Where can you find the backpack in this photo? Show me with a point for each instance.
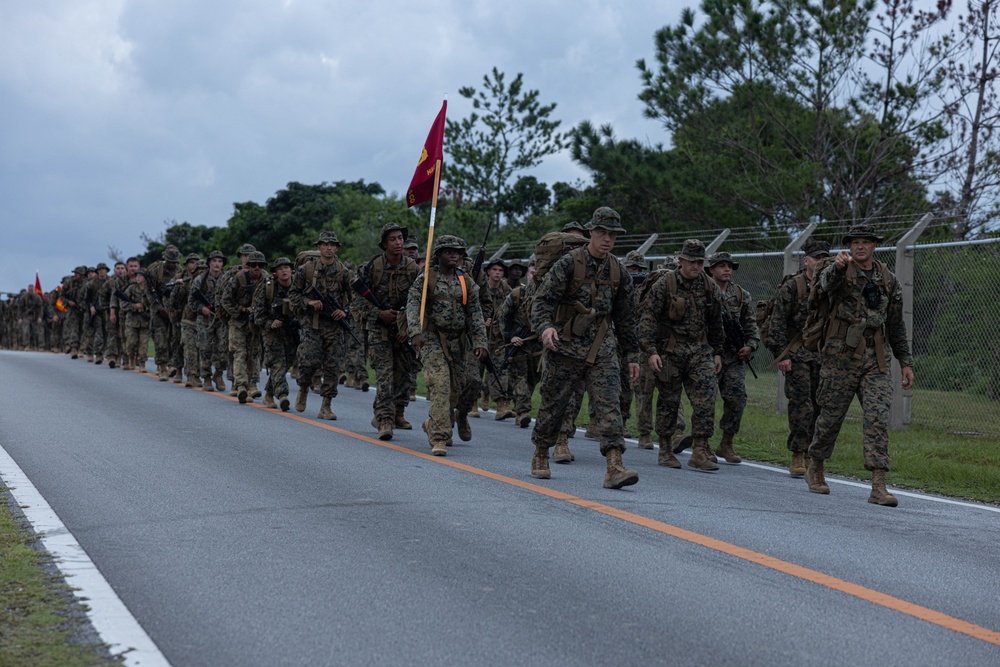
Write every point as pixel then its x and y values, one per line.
pixel 766 308
pixel 822 307
pixel 551 247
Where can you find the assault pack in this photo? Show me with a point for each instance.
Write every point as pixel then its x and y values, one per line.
pixel 766 308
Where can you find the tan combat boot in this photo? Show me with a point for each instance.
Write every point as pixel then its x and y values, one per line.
pixel 617 476
pixel 178 377
pixel 700 456
pixel 473 412
pixel 681 442
pixel 283 403
pixel 206 383
pixel 161 373
pixel 561 454
pixel 385 429
pixel 220 384
pixel 190 382
pixel 268 401
pixel 399 421
pixel 798 467
pixel 540 463
pixel 437 448
pixel 503 410
pixel 666 458
pixel 524 420
pixel 324 410
pixel 645 442
pixel 880 495
pixel 413 396
pixel 300 400
pixel 814 476
pixel 243 395
pixel 726 451
pixel 464 428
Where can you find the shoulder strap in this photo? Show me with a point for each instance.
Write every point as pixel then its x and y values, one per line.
pixel 800 287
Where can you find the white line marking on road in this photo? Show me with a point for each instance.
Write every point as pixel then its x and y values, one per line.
pixel 108 614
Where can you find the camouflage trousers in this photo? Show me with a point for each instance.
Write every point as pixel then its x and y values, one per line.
pixel 573 409
pixel 92 335
pixel 244 342
pixel 32 333
pixel 321 350
pixel 189 349
pixel 733 390
pixel 644 389
pixel 392 362
pixel 448 383
pixel 562 377
pixel 841 378
pixel 213 345
pixel 71 329
pixel 177 352
pixel 801 384
pixel 523 376
pixel 691 368
pixel 113 344
pixel 468 395
pixel 354 357
pixel 160 331
pixel 137 343
pixel 279 356
pixel 625 389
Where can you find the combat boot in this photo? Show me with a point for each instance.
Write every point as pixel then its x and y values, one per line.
pixel 561 454
pixel 161 373
pixel 74 354
pixel 814 476
pixel 524 420
pixel 798 467
pixel 234 391
pixel 190 381
pixel 347 382
pixel 206 383
pixel 300 400
pixel 666 458
pixel 242 395
pixel 255 392
pixel 268 401
pixel 540 463
pixel 464 428
pixel 112 363
pixel 473 412
pixel 503 410
pixel 413 396
pixel 363 384
pixel 437 448
pixel 681 442
pixel 324 410
pixel 220 384
pixel 385 429
pixel 645 442
pixel 726 451
pixel 98 360
pixel 178 378
pixel 880 495
pixel 617 476
pixel 283 402
pixel 399 421
pixel 484 404
pixel 700 456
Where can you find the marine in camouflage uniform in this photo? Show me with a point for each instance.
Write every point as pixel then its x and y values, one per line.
pixel 354 356
pixel 244 335
pixel 799 365
pixel 186 359
pixel 30 311
pixel 681 335
pixel 742 340
pixel 452 326
pixel 72 296
pixel 274 314
pixel 99 299
pixel 389 276
pixel 243 255
pixel 213 334
pixel 524 349
pixel 492 294
pixel 322 337
pixel 158 274
pixel 577 321
pixel 137 306
pixel 412 250
pixel 865 328
pixel 116 325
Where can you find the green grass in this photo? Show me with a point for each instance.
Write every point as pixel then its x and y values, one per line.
pixel 37 626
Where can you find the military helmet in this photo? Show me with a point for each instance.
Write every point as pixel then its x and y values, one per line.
pixel 217 254
pixel 861 231
pixel 281 261
pixel 720 258
pixel 448 241
pixel 171 254
pixel 257 257
pixel 693 250
pixel 635 258
pixel 391 227
pixel 246 249
pixel 606 218
pixel 328 236
pixel 816 248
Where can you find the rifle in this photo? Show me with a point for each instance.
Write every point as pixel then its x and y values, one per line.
pixel 521 332
pixel 162 310
pixel 735 338
pixel 330 305
pixel 360 285
pixel 481 255
pixel 492 368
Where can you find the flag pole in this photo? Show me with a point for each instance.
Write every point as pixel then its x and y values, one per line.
pixel 430 241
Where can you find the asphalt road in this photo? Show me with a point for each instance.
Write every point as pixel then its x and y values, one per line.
pixel 238 535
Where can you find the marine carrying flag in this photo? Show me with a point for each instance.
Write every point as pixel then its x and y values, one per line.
pixel 38 285
pixel 423 183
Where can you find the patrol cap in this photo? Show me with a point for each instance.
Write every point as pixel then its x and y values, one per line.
pixel 391 227
pixel 257 259
pixel 721 258
pixel 448 241
pixel 328 236
pixel 192 257
pixel 281 261
pixel 693 250
pixel 635 258
pixel 861 231
pixel 815 248
pixel 171 254
pixel 217 254
pixel 102 265
pixel 606 218
pixel 246 249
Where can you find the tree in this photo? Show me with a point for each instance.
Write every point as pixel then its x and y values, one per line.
pixel 508 131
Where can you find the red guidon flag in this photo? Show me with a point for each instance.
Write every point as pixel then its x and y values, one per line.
pixel 422 185
pixel 38 285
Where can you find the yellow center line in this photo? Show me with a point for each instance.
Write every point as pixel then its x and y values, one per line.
pixel 791 569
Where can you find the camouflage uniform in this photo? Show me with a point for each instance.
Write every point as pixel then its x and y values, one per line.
pixel 788 318
pixel 158 274
pixel 391 359
pixel 244 336
pixel 860 338
pixel 186 348
pixel 30 309
pixel 137 306
pixel 686 345
pixel 321 349
pixel 354 355
pixel 114 347
pixel 453 327
pixel 491 301
pixel 213 334
pixel 72 295
pixel 522 369
pixel 272 302
pixel 586 320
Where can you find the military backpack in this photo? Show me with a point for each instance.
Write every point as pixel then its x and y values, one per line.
pixel 766 308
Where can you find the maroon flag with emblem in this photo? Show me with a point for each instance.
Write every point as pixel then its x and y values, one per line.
pixel 424 181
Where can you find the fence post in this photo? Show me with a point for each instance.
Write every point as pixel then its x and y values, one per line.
pixel 716 242
pixel 900 411
pixel 791 265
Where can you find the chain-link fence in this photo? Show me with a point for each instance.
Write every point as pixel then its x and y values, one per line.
pixel 955 317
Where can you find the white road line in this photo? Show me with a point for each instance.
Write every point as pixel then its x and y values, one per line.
pixel 108 614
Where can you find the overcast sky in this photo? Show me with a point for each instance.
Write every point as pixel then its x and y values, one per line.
pixel 119 115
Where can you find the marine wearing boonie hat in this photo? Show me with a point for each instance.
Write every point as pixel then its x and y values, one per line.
pixel 861 231
pixel 281 261
pixel 606 218
pixel 102 265
pixel 573 226
pixel 635 258
pixel 496 262
pixel 693 250
pixel 217 254
pixel 816 248
pixel 257 259
pixel 392 227
pixel 721 258
pixel 246 249
pixel 328 236
pixel 193 257
pixel 171 254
